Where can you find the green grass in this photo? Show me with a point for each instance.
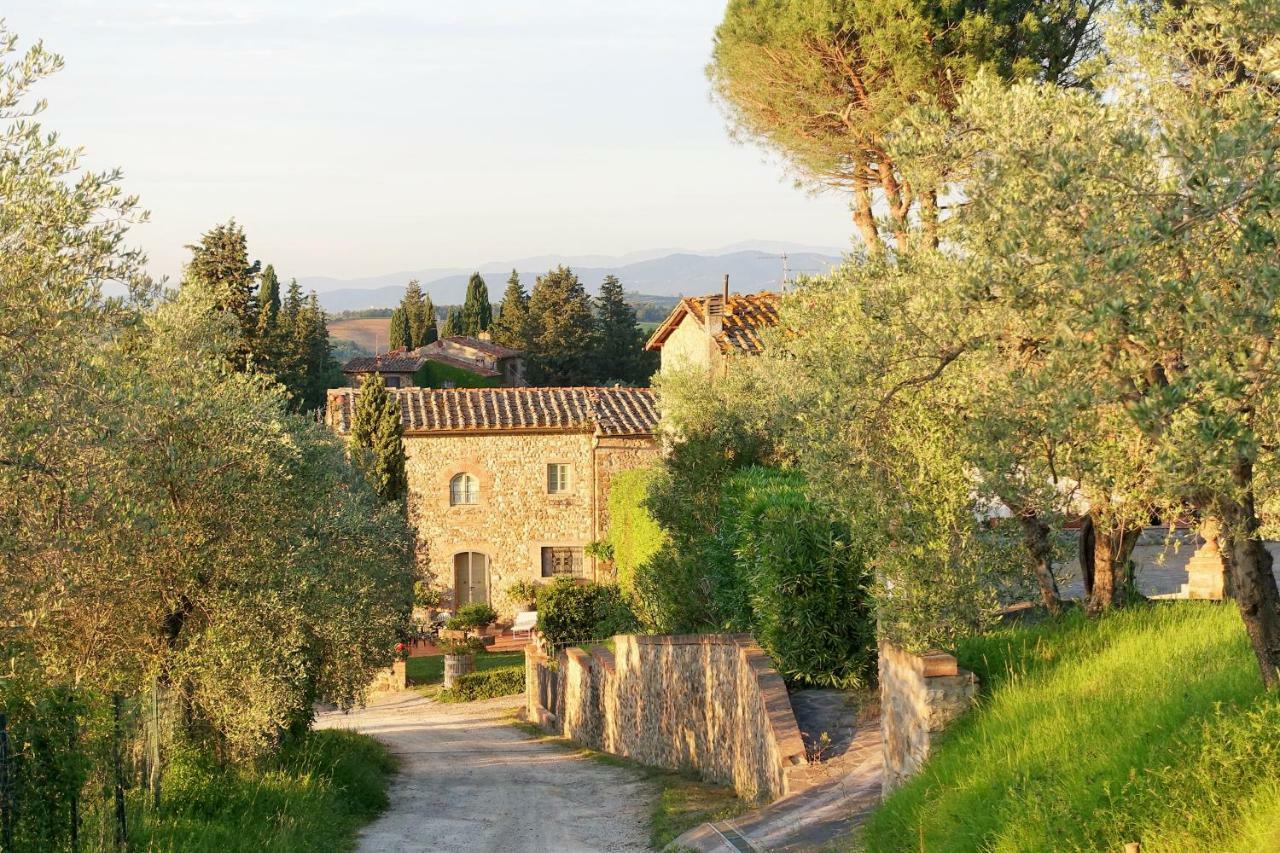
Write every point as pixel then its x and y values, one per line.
pixel 1149 725
pixel 313 797
pixel 683 801
pixel 429 671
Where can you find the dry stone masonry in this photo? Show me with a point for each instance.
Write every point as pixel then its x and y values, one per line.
pixel 709 703
pixel 919 696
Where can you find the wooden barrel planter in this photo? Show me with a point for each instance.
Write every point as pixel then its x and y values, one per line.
pixel 457 665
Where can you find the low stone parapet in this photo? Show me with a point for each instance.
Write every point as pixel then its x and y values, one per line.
pixel 390 679
pixel 920 694
pixel 711 703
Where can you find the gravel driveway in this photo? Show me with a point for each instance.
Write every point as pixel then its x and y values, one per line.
pixel 468 781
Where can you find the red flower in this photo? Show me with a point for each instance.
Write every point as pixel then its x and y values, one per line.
pixel 399 647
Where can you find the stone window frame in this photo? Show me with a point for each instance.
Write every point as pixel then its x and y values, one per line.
pixel 473 466
pixel 535 556
pixel 570 479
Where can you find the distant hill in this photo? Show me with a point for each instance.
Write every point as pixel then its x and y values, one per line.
pixel 670 274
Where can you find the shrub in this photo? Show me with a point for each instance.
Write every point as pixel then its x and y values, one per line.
pixel 634 535
pixel 425 595
pixel 805 582
pixel 469 646
pixel 487 684
pixel 523 592
pixel 475 615
pixel 572 612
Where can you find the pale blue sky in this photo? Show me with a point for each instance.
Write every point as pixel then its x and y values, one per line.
pixel 357 138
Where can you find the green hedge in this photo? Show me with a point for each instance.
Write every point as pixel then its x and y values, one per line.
pixel 633 531
pixel 433 374
pixel 487 684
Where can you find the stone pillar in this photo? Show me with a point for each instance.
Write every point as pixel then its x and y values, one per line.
pixel 919 696
pixel 1205 570
pixel 392 679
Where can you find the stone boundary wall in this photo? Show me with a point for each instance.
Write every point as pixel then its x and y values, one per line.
pixel 919 696
pixel 390 679
pixel 711 703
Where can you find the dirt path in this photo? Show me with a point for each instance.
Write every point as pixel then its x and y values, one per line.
pixel 470 782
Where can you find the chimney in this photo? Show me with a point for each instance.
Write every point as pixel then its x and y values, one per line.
pixel 726 291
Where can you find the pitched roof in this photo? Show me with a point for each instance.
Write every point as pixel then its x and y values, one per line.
pixel 424 411
pixel 487 347
pixel 396 361
pixel 745 315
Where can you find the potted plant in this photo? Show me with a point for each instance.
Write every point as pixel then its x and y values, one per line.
pixel 475 619
pixel 426 600
pixel 459 658
pixel 523 595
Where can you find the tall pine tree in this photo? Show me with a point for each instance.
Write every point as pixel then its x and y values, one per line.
pixel 561 330
pixel 220 265
pixel 477 313
pixel 376 426
pixel 618 354
pixel 400 331
pixel 511 327
pixel 320 371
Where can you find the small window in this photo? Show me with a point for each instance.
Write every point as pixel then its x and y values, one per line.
pixel 393 381
pixel 464 490
pixel 557 479
pixel 561 561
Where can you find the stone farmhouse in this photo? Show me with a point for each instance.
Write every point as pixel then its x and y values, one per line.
pixel 702 331
pixel 511 484
pixel 458 361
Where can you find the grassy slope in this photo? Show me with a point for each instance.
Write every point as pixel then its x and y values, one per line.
pixel 312 798
pixel 1150 725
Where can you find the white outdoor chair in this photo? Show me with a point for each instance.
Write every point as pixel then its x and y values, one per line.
pixel 525 623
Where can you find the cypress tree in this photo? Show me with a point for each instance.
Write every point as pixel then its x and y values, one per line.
pixel 511 327
pixel 429 331
pixel 453 325
pixel 266 343
pixel 400 333
pixel 376 426
pixel 618 354
pixel 320 372
pixel 415 309
pixel 561 330
pixel 477 313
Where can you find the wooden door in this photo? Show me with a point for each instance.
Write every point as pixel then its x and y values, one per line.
pixel 470 578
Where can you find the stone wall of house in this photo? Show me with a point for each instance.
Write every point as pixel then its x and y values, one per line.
pixel 689 346
pixel 710 703
pixel 612 456
pixel 514 517
pixel 919 696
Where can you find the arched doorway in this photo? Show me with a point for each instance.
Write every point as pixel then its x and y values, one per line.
pixel 470 578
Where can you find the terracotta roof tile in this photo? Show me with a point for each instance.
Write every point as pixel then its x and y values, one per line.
pixel 609 411
pixel 745 316
pixel 396 361
pixel 488 347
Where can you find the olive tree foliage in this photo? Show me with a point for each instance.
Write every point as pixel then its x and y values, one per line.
pixel 1134 238
pixel 166 520
pixel 823 83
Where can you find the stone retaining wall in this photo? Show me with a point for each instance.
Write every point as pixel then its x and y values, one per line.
pixel 711 703
pixel 390 679
pixel 919 696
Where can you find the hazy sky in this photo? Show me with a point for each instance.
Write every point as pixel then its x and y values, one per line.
pixel 357 138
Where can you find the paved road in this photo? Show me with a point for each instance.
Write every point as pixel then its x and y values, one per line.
pixel 470 782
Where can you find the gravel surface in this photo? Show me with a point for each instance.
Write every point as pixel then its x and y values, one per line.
pixel 469 781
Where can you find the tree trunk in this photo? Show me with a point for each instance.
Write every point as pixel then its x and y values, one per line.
pixel 1035 535
pixel 863 216
pixel 929 219
pixel 899 207
pixel 1252 583
pixel 1112 572
pixel 1085 551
